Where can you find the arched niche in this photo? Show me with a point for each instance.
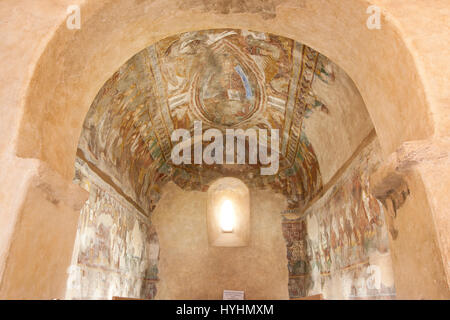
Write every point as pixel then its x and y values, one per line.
pixel 228 213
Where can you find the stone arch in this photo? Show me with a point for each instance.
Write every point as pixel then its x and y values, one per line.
pixel 60 94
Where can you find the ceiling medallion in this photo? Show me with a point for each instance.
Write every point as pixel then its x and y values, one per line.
pixel 229 90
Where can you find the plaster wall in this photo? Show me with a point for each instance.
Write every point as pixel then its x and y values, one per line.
pixel 337 132
pixel 419 274
pixel 191 269
pixel 43 239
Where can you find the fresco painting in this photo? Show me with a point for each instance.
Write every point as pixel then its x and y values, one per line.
pixel 116 251
pixel 340 244
pixel 225 78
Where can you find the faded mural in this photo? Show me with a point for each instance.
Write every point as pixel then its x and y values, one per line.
pixel 340 247
pixel 225 78
pixel 116 250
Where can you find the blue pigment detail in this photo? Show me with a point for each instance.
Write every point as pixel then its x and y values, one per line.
pixel 248 88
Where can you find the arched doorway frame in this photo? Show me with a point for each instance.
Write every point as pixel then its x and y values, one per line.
pixel 75 64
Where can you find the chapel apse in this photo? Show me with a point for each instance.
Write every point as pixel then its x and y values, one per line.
pixel 235 79
pixel 225 78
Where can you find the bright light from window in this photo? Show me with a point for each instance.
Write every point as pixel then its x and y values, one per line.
pixel 227 216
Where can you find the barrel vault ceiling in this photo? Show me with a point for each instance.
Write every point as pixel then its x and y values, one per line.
pixel 225 78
